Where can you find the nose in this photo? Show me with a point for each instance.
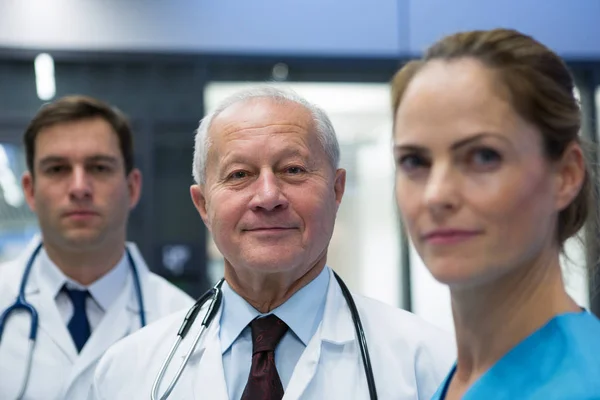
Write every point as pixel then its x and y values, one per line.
pixel 267 195
pixel 80 184
pixel 442 193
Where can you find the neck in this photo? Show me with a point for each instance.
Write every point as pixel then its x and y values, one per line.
pixel 492 319
pixel 267 291
pixel 85 266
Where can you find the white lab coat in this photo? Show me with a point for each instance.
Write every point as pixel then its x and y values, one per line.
pixel 58 371
pixel 410 358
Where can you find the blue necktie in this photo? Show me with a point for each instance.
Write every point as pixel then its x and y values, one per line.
pixel 79 326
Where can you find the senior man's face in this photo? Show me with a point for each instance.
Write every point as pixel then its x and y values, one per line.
pixel 271 195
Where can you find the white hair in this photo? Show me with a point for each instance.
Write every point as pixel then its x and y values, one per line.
pixel 324 128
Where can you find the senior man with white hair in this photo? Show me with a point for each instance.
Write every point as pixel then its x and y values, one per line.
pixel 268 188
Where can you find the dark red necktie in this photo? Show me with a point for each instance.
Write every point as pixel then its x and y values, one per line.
pixel 263 382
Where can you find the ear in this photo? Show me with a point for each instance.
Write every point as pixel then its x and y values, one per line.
pixel 570 175
pixel 199 200
pixel 134 184
pixel 27 182
pixel 339 185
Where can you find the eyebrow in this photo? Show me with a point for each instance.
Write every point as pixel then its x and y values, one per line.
pixel 103 158
pixel 49 160
pixel 456 145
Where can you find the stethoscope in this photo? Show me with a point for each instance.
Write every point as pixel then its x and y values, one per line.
pixel 22 304
pixel 215 295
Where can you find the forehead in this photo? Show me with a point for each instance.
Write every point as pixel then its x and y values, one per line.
pixel 458 96
pixel 261 116
pixel 79 138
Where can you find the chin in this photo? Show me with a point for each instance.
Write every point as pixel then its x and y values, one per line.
pixel 464 278
pixel 268 266
pixel 82 240
pixel 269 263
pixel 268 258
pixel 453 273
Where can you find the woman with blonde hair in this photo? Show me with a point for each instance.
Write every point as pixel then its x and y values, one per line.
pixel 491 180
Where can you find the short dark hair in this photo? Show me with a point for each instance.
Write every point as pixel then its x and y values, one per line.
pixel 76 108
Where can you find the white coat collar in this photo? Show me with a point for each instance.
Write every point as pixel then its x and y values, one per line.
pixel 337 325
pixel 336 328
pixel 36 294
pixel 33 286
pixel 103 291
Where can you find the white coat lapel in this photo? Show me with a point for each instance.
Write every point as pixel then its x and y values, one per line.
pixel 336 328
pixel 118 322
pixel 50 320
pixel 209 379
pixel 306 367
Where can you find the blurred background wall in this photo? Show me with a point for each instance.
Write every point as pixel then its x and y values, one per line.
pixel 165 63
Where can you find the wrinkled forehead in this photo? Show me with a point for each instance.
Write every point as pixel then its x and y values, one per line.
pixel 260 116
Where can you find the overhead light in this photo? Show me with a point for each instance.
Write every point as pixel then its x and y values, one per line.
pixel 280 72
pixel 44 76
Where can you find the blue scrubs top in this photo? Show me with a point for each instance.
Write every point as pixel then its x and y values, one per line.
pixel 561 360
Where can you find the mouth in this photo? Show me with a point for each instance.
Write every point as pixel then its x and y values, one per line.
pixel 269 228
pixel 80 214
pixel 449 236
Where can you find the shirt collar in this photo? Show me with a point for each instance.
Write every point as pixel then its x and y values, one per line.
pixel 302 312
pixel 104 291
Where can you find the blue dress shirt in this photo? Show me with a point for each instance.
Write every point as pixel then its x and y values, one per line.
pixel 302 313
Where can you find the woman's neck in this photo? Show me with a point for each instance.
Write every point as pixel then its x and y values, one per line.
pixel 493 318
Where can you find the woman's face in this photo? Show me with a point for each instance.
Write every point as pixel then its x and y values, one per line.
pixel 473 185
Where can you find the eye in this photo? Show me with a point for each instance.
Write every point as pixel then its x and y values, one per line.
pixel 294 170
pixel 100 168
pixel 56 169
pixel 236 175
pixel 484 157
pixel 411 162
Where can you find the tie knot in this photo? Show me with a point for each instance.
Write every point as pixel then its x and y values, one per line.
pixel 266 333
pixel 77 296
